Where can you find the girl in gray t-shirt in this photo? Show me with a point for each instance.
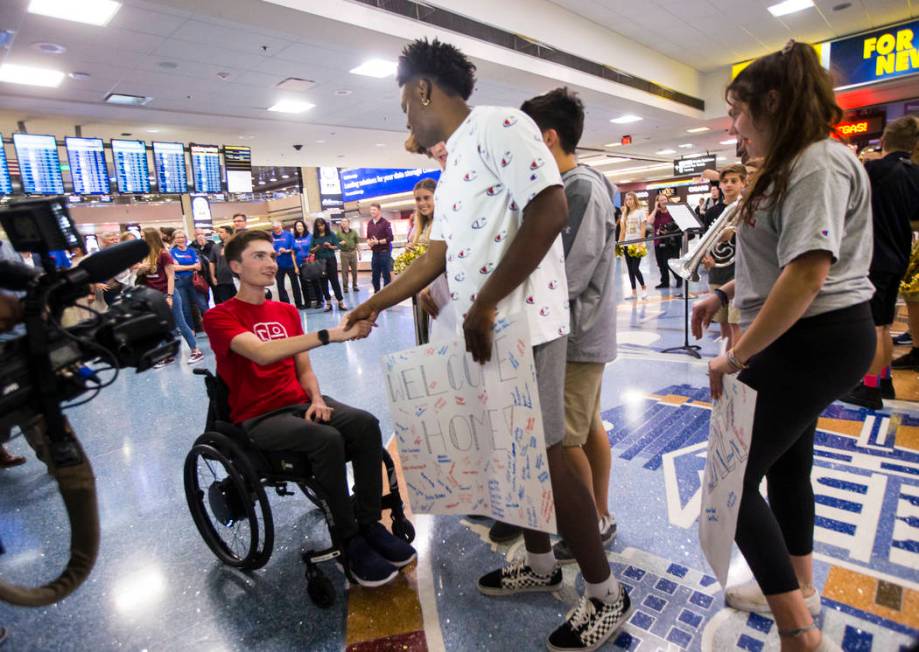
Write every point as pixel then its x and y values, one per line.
pixel 803 251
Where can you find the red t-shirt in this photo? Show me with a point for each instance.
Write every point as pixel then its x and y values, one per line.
pixel 255 389
pixel 158 280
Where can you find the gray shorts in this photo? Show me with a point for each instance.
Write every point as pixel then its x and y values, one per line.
pixel 550 359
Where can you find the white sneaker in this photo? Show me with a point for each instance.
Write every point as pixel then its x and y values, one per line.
pixel 749 597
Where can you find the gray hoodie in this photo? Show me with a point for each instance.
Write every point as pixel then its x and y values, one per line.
pixel 589 241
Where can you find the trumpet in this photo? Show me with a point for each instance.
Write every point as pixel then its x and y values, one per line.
pixel 687 265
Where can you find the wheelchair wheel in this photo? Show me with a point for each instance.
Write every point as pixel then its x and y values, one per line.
pixel 224 507
pixel 403 528
pixel 320 589
pixel 244 465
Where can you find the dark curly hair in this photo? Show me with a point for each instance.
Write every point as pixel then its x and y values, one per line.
pixel 440 62
pixel 561 110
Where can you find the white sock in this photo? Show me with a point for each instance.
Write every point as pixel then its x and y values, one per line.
pixel 541 562
pixel 607 590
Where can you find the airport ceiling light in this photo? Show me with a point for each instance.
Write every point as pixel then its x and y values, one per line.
pixel 790 7
pixel 697 130
pixel 91 12
pixel 685 146
pixel 130 100
pixel 378 68
pixel 729 141
pixel 291 106
pixel 13 74
pixel 626 119
pixel 661 152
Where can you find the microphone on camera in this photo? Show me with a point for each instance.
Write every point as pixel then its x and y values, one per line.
pixel 105 264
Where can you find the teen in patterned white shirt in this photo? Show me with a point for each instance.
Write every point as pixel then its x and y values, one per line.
pixel 499 209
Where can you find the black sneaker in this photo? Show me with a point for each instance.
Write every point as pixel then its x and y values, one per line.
pixel 590 624
pixel 907 361
pixel 504 532
pixel 367 567
pixel 517 577
pixel 887 390
pixel 903 338
pixel 661 286
pixel 391 548
pixel 869 397
pixel 563 554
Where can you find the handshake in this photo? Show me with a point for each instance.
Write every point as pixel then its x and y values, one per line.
pixel 347 330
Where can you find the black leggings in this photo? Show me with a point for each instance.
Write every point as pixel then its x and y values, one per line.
pixel 796 378
pixel 632 263
pixel 664 253
pixel 331 276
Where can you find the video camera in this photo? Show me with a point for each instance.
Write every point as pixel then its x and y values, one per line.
pixel 50 364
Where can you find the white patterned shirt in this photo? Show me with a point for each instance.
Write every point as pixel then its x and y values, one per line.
pixel 496 164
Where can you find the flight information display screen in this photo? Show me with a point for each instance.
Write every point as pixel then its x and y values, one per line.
pixel 6 182
pixel 239 168
pixel 87 166
pixel 131 171
pixel 169 161
pixel 39 164
pixel 205 167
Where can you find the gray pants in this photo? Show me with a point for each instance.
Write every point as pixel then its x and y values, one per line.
pixel 348 261
pixel 352 434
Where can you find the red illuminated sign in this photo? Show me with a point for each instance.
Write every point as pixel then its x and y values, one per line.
pixel 861 127
pixel 626 140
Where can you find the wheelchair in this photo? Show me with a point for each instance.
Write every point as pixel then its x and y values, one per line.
pixel 225 480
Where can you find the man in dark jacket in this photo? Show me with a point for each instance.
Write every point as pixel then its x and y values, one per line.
pixel 894 204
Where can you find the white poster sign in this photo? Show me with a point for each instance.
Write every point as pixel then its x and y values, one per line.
pixel 729 434
pixel 470 436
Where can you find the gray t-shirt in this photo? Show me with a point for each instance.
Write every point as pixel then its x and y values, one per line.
pixel 827 208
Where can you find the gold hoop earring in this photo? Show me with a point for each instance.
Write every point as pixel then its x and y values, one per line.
pixel 426 102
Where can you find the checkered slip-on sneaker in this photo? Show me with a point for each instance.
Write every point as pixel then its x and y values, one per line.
pixel 517 577
pixel 590 624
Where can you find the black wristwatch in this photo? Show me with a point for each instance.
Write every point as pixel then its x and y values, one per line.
pixel 721 294
pixel 323 336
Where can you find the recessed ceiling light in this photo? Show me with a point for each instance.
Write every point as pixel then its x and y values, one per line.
pixel 131 100
pixel 377 68
pixel 78 75
pixel 273 179
pixel 153 131
pixel 381 145
pixel 722 158
pixel 697 130
pixel 92 12
pixel 790 7
pixel 46 47
pixel 14 74
pixel 729 141
pixel 343 92
pixel 666 151
pixel 320 142
pixel 291 106
pixel 285 176
pixel 626 119
pixel 685 146
pixel 613 145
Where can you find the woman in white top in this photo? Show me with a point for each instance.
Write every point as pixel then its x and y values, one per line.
pixel 632 226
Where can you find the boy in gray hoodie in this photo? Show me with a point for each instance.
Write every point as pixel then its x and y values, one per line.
pixel 589 245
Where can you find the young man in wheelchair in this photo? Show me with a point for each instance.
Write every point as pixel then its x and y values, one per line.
pixel 274 395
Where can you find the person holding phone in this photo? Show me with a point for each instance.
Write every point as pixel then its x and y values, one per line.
pixel 325 243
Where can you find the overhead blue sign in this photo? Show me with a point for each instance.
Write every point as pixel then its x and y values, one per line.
pixel 366 183
pixel 875 56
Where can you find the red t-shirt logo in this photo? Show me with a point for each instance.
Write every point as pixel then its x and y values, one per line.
pixel 270 330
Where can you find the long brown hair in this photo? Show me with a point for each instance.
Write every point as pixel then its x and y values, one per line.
pixel 155 241
pixel 421 222
pixel 805 112
pixel 626 211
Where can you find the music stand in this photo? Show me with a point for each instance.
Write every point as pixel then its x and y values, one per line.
pixel 690 225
